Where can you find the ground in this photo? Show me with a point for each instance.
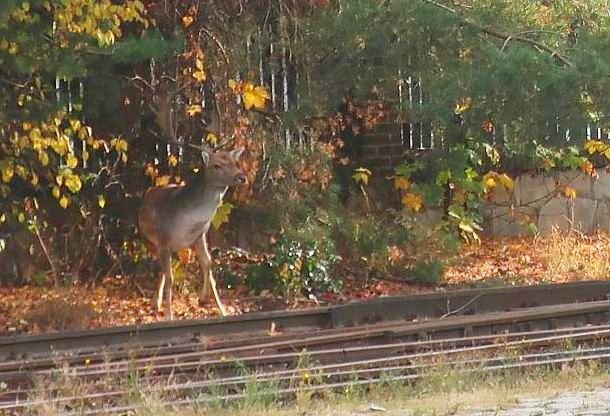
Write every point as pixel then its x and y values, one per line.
pixel 120 300
pixel 573 390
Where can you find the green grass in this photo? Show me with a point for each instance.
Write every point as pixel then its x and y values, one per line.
pixel 441 390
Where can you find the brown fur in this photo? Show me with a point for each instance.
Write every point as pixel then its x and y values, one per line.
pixel 174 217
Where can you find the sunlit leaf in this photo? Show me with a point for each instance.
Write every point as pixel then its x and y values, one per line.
pixel 463 105
pixel 255 97
pixel 569 192
pixel 489 182
pixel 73 183
pixel 222 215
pixel 187 21
pixel 172 160
pixel 72 161
pixel 362 175
pixel 64 202
pixel 200 76
pixel 193 109
pixel 211 138
pixel 401 183
pixel 162 180
pixel 101 201
pixel 412 201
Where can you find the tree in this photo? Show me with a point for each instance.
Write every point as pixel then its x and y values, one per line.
pixel 45 143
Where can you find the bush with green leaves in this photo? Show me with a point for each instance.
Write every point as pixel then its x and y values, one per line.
pixel 297 268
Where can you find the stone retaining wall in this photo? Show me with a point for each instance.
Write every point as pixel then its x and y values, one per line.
pixel 539 199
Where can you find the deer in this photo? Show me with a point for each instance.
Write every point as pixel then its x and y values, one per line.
pixel 178 216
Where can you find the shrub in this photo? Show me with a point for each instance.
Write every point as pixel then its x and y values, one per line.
pixel 427 271
pixel 297 268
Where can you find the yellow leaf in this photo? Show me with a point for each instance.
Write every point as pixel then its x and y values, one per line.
pixel 548 163
pixel 591 146
pixel 401 183
pixel 413 201
pixel 490 182
pixel 607 153
pixel 200 76
pixel 124 157
pixel 2 218
pixel 570 192
pixel 466 227
pixel 64 202
pixel 34 180
pixel 72 161
pixel 232 84
pixel 56 192
pixel 7 173
pixel 75 125
pixel 73 183
pixel 507 181
pixel 193 109
pixel 162 180
pixel 463 105
pixel 172 160
pixel 121 145
pixel 222 215
pixel 101 201
pixel 211 138
pixel 255 97
pixel 187 21
pixel 21 217
pixel 199 64
pixel 361 175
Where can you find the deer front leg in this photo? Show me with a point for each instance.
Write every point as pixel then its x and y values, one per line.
pixel 166 273
pixel 205 261
pixel 160 287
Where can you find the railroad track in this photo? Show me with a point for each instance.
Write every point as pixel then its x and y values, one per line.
pixel 375 311
pixel 364 339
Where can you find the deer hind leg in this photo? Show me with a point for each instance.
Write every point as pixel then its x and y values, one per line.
pixel 165 257
pixel 205 261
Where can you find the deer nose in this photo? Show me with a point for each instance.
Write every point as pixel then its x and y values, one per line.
pixel 241 178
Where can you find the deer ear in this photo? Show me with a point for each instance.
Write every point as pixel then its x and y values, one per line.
pixel 205 156
pixel 236 153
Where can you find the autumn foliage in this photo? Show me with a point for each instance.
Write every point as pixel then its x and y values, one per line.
pixel 101 99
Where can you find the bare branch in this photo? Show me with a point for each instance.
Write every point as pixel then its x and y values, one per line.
pixel 217 42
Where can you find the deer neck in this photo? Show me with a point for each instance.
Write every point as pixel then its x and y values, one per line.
pixel 201 196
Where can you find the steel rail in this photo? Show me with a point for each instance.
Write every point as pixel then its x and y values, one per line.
pixel 400 308
pixel 410 356
pixel 330 386
pixel 278 377
pixel 585 334
pixel 453 325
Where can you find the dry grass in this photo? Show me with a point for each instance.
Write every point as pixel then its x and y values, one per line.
pixel 575 254
pixel 557 257
pixel 441 391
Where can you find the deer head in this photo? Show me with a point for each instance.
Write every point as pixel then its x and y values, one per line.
pixel 221 168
